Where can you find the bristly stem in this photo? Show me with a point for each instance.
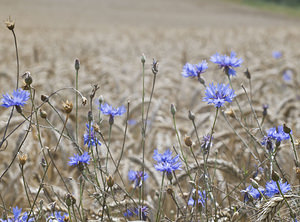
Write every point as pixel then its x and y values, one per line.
pixel 159 199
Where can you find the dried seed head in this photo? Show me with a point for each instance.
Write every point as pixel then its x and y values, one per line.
pixel 27 77
pixel 110 181
pixel 247 74
pixel 191 115
pixel 230 113
pixel 44 98
pixel 188 142
pixel 83 100
pixel 173 109
pixel 43 114
pixel 170 190
pixel 286 129
pixel 10 24
pixel 77 64
pixel 70 199
pixel 68 106
pixel 25 86
pixel 22 158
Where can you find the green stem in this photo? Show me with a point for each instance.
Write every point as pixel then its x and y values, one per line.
pixel 76 104
pixel 159 199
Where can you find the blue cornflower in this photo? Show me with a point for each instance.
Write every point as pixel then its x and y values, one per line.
pixel 17 216
pixel 219 94
pixel 109 110
pixel 276 54
pixel 227 63
pixel 135 212
pixel 287 76
pixel 137 177
pixel 19 98
pixel 90 139
pixel 251 192
pixel 58 216
pixel 206 142
pixel 201 198
pixel 165 161
pixel 194 70
pixel 76 160
pixel 268 142
pixel 272 188
pixel 278 134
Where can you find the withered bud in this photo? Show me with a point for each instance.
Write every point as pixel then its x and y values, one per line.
pixel 43 114
pixel 77 64
pixel 173 109
pixel 19 109
pixel 143 58
pixel 110 181
pixel 254 183
pixel 22 158
pixel 90 116
pixel 170 190
pixel 188 142
pixel 247 74
pixel 191 115
pixel 27 77
pixel 230 113
pixel 155 67
pixel 265 109
pixel 68 106
pixel 44 98
pixel 275 176
pixel 83 100
pixel 69 199
pixel 96 127
pixel 10 24
pixel 286 129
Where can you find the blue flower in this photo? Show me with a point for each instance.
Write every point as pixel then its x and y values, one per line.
pixel 165 161
pixel 201 198
pixel 76 160
pixel 17 216
pixel 218 95
pixel 19 98
pixel 278 134
pixel 58 216
pixel 109 110
pixel 137 177
pixel 206 142
pixel 135 212
pixel 268 142
pixel 227 63
pixel 194 70
pixel 276 54
pixel 287 76
pixel 251 192
pixel 90 139
pixel 272 188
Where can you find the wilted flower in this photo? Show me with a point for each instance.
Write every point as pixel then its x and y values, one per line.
pixel 201 198
pixel 219 94
pixel 194 70
pixel 227 63
pixel 19 98
pixel 137 177
pixel 77 159
pixel 134 212
pixel 272 188
pixel 165 161
pixel 18 217
pixel 89 137
pixel 252 193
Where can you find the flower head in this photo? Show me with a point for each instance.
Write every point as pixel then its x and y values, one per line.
pixel 251 193
pixel 137 177
pixel 134 212
pixel 272 188
pixel 19 98
pixel 77 159
pixel 194 70
pixel 288 76
pixel 201 198
pixel 166 162
pixel 219 94
pixel 278 134
pixel 109 110
pixel 89 137
pixel 206 142
pixel 227 62
pixel 18 217
pixel 58 216
pixel 276 54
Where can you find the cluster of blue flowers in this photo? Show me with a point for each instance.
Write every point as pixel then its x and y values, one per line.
pixel 19 98
pixel 89 137
pixel 274 134
pixel 18 217
pixel 270 190
pixel 137 177
pixel 166 162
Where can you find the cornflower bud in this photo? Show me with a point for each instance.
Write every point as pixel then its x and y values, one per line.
pixel 43 114
pixel 169 176
pixel 68 106
pixel 22 159
pixel 247 74
pixel 286 129
pixel 265 109
pixel 110 181
pixel 188 142
pixel 70 199
pixel 275 176
pixel 44 98
pixel 143 58
pixel 154 67
pixel 77 64
pixel 101 99
pixel 191 116
pixel 173 109
pixel 28 78
pixel 170 190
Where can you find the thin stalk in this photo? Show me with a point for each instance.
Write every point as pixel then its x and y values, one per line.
pixel 159 199
pixel 294 149
pixel 109 138
pixel 69 212
pixel 143 127
pixel 76 105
